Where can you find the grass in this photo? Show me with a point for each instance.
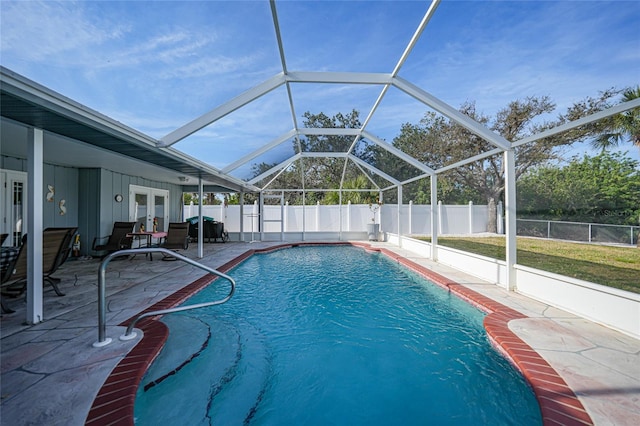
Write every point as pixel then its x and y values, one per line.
pixel 612 266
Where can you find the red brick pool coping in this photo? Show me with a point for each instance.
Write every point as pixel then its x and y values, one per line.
pixel 558 403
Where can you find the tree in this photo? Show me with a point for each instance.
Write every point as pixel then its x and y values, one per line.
pixel 285 179
pixel 318 172
pixel 208 199
pixel 327 173
pixel 189 198
pixel 621 127
pixel 600 189
pixel 355 197
pixel 438 142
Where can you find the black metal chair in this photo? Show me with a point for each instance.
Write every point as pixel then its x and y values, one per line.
pixel 177 238
pixel 118 240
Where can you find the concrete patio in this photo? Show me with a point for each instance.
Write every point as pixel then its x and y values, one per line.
pixel 51 373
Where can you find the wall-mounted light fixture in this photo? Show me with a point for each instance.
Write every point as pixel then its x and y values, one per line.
pixel 183 179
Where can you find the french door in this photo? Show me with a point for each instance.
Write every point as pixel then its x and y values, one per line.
pixel 147 204
pixel 13 195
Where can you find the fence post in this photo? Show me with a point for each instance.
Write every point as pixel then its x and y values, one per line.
pixel 470 217
pixel 286 216
pixel 317 215
pixel 255 220
pixel 410 217
pixel 500 219
pixel 589 232
pixel 349 216
pixel 434 216
pixel 548 229
pixel 439 217
pixel 380 198
pixel 242 216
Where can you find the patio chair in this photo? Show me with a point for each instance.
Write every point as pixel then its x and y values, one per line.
pixel 14 281
pixel 15 273
pixel 118 240
pixel 177 238
pixel 62 255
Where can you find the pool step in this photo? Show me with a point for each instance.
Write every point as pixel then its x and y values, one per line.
pixel 179 385
pixel 187 339
pixel 239 399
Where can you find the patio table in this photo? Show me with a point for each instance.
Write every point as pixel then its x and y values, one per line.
pixel 149 236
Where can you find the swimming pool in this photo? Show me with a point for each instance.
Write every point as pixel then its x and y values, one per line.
pixel 331 335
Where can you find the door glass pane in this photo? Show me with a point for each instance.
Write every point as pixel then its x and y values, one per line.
pixel 159 212
pixel 17 211
pixel 140 213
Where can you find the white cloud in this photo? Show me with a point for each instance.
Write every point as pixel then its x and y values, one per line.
pixel 567 50
pixel 209 66
pixel 46 32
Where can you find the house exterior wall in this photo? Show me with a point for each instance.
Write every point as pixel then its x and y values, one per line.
pixel 89 218
pixel 104 185
pixel 89 198
pixel 64 180
pixel 13 163
pixel 63 210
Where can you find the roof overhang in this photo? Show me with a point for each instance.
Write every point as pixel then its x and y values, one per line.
pixel 26 102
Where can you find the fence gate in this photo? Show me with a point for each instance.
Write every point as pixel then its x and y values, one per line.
pixel 272 199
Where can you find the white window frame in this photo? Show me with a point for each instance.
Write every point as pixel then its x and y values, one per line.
pixel 7 178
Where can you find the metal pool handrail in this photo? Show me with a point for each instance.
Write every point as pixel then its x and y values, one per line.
pixel 102 302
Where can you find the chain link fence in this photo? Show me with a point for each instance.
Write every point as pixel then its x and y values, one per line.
pixel 579 231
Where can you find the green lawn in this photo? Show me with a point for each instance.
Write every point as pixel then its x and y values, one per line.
pixel 617 267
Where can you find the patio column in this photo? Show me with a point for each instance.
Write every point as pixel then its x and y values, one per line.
pixel 510 210
pixel 35 144
pixel 434 217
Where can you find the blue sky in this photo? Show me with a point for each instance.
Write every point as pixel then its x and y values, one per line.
pixel 155 66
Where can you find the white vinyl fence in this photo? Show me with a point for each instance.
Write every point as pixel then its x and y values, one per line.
pixel 415 219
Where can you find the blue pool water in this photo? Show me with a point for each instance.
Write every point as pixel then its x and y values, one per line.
pixel 331 335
